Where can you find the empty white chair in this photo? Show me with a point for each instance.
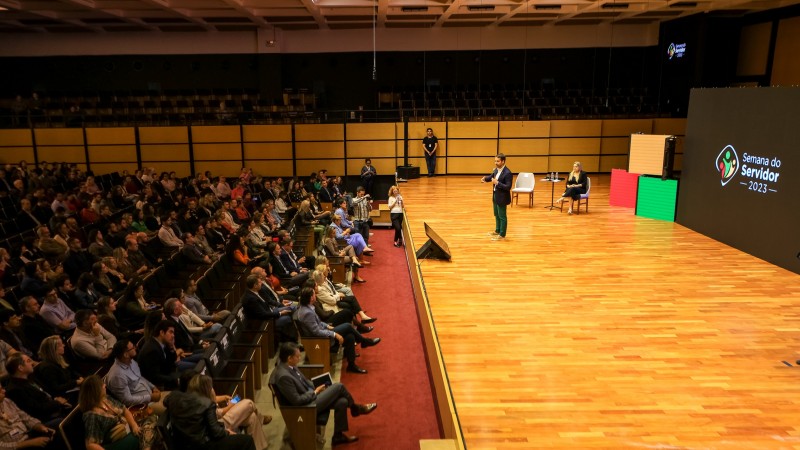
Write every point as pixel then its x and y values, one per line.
pixel 524 185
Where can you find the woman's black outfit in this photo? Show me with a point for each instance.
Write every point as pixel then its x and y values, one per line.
pixel 57 380
pixel 575 192
pixel 195 425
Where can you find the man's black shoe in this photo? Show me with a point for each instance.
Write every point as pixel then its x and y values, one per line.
pixel 355 369
pixel 370 342
pixel 359 410
pixel 342 438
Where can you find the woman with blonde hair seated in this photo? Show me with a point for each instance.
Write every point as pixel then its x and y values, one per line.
pixel 348 252
pixel 333 301
pixel 576 185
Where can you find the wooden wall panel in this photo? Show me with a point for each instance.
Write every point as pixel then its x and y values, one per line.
pixel 416 151
pixel 563 164
pixel 319 132
pixel 517 164
pixel 525 129
pixel 471 165
pixel 333 166
pixel 575 146
pixel 384 166
pixel 112 153
pixel 64 153
pixel 268 150
pixel 613 162
pixel 524 146
pixel 272 168
pixel 267 133
pixel 472 147
pixel 16 138
pixel 627 127
pixel 113 135
pixel 785 63
pixel 58 136
pixel 102 168
pixel 218 152
pixel 163 135
pixel 471 130
pixel 217 133
pixel 615 145
pixel 306 150
pixel 370 149
pixel 416 131
pixel 371 131
pixel 16 154
pixel 219 168
pixel 575 128
pixel 675 127
pixel 170 152
pixel 180 168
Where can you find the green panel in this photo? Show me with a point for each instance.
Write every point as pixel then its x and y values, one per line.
pixel 656 198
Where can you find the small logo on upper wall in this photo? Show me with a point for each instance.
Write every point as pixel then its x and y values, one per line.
pixel 727 163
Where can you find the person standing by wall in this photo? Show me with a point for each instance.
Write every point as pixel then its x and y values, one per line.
pixel 430 144
pixel 500 178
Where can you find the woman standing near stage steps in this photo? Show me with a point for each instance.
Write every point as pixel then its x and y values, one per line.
pixel 396 212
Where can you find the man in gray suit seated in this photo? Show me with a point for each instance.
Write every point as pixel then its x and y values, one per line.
pixel 294 389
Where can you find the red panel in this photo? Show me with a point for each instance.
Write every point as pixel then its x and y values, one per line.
pixel 623 188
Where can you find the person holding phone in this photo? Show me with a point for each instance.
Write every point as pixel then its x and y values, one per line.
pixel 237 412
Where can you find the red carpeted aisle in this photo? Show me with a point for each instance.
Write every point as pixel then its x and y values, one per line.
pixel 398 375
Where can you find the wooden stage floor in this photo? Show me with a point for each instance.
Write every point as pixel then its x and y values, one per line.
pixel 605 330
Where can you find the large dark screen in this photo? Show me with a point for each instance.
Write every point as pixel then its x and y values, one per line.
pixel 739 182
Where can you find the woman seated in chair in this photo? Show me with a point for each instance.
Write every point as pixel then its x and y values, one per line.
pixel 53 373
pixel 576 185
pixel 332 249
pixel 108 423
pixel 354 239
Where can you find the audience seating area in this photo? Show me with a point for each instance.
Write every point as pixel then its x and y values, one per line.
pixel 240 352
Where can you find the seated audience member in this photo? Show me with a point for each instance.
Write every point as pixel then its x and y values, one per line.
pixel 191 300
pixel 34 329
pixel 132 308
pixel 195 425
pixel 334 302
pixel 91 340
pixel 262 303
pixel 98 247
pixel 85 294
pixel 106 318
pixel 344 334
pixel 30 396
pixel 124 265
pixel 11 330
pixel 166 234
pixel 66 291
pixel 50 247
pixel 158 358
pixel 77 261
pixel 126 383
pixel 138 260
pixel 188 321
pixel 294 389
pixel 108 424
pixel 192 252
pixel 233 415
pixel 356 240
pixel 290 259
pixel 33 282
pixel 54 373
pixel 202 242
pixel 57 314
pixel 287 276
pixel 19 430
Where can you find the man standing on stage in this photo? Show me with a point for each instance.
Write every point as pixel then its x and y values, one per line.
pixel 430 144
pixel 501 179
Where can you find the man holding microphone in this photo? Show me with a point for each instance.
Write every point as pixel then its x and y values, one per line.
pixel 501 179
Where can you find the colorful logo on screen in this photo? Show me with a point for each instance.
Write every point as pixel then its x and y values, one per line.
pixel 727 163
pixel 676 50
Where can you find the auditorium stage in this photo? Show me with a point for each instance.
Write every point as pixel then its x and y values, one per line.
pixel 605 330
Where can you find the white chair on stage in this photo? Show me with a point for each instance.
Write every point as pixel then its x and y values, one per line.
pixel 524 185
